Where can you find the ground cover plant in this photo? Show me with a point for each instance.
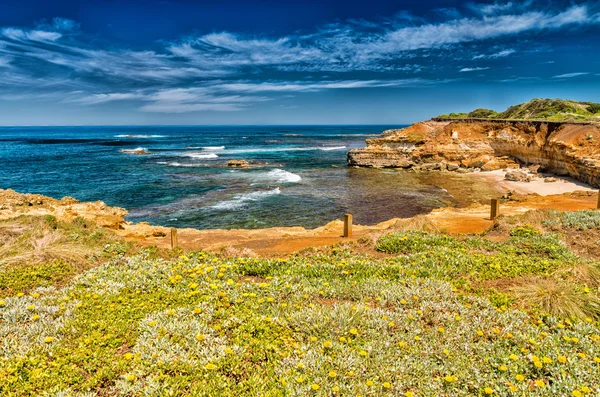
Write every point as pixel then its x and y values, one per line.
pixel 418 321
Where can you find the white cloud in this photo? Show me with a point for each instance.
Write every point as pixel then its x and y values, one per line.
pixel 499 54
pixel 30 35
pixel 64 24
pixel 472 69
pixel 213 71
pixel 569 75
pixel 191 107
pixel 103 98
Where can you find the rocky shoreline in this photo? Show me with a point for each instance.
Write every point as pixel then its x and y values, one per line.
pixel 467 145
pixel 278 241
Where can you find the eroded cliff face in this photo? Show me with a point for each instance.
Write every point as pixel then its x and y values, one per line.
pixel 462 145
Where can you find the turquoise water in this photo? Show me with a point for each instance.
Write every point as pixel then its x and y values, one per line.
pixel 298 176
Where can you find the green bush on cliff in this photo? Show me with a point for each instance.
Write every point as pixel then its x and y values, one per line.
pixel 539 109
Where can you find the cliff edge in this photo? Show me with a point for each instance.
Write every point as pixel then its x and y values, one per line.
pixel 463 145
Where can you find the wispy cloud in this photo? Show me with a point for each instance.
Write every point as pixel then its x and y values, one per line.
pixel 473 69
pixel 221 71
pixel 495 55
pixel 570 75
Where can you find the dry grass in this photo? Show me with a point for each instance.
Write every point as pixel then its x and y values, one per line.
pixel 558 297
pixel 39 251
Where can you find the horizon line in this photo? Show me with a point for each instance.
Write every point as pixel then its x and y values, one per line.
pixel 198 125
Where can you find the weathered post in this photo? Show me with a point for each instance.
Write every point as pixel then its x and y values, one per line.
pixel 348 225
pixel 598 205
pixel 173 238
pixel 495 211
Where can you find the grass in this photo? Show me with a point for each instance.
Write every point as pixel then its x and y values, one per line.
pixel 416 320
pixel 40 251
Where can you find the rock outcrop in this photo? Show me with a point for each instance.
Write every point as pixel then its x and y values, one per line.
pixel 14 204
pixel 460 145
pixel 238 164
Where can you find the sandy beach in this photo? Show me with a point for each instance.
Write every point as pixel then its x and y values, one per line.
pixel 563 184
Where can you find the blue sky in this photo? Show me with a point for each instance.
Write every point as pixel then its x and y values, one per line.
pixel 288 62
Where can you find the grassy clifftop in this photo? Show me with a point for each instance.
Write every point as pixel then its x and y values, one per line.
pixel 539 109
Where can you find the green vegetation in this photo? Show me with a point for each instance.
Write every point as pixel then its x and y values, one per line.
pixel 423 315
pixel 39 251
pixel 539 109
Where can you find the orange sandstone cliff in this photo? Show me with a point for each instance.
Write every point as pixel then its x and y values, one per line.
pixel 562 148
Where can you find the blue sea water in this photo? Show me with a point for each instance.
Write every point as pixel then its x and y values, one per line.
pixel 298 175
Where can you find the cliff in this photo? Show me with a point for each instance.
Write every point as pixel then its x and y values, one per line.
pixel 562 148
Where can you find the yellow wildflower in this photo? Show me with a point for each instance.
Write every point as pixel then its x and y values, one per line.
pixel 315 386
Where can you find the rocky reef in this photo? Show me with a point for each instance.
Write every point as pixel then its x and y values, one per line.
pixel 561 148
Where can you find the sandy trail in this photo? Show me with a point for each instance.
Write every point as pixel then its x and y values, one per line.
pixel 284 241
pixel 281 241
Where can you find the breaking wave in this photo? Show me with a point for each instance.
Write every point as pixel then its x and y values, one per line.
pixel 201 156
pixel 242 200
pixel 133 136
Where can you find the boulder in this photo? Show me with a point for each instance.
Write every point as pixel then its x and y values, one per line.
pixel 476 162
pixel 238 164
pixel 518 176
pixel 452 166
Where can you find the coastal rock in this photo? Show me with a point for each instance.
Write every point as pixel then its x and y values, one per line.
pixel 518 176
pixel 139 150
pixel 67 209
pixel 561 148
pixel 238 164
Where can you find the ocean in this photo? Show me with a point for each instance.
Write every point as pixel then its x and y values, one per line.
pixel 298 174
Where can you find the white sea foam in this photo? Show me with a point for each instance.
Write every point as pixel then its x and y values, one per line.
pixel 139 136
pixel 138 150
pixel 328 148
pixel 212 148
pixel 176 164
pixel 201 156
pixel 242 200
pixel 283 176
pixel 280 149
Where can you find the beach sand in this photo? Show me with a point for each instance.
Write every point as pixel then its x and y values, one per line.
pixel 562 185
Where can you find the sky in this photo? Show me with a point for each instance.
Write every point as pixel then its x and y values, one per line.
pixel 183 62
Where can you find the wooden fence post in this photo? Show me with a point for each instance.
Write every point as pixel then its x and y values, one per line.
pixel 495 211
pixel 598 205
pixel 348 225
pixel 173 238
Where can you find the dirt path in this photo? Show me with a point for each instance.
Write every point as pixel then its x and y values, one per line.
pixel 283 241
